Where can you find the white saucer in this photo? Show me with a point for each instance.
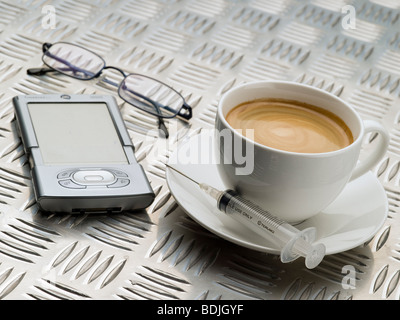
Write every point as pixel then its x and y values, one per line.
pixel 351 220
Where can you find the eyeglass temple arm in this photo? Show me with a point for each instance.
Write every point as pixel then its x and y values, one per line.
pixel 43 71
pixel 39 71
pixel 187 114
pixel 46 46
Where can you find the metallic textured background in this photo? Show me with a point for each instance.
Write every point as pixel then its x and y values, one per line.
pixel 202 48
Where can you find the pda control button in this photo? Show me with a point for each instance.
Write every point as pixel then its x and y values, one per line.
pixel 118 173
pixel 68 183
pixel 94 177
pixel 65 174
pixel 121 182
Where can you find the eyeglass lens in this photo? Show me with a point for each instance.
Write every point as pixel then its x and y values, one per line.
pixel 151 95
pixel 73 61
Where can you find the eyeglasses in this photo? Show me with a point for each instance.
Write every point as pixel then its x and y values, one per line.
pixel 145 93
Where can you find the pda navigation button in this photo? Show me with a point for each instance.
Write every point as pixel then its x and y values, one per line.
pixel 121 182
pixel 65 174
pixel 94 177
pixel 68 183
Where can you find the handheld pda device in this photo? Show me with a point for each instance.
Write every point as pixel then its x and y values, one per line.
pixel 81 156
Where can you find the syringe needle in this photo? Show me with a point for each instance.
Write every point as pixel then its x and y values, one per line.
pixel 214 193
pixel 181 173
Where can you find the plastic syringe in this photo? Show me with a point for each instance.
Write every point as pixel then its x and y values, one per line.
pixel 292 241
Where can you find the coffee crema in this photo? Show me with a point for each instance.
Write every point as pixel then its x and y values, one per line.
pixel 291 125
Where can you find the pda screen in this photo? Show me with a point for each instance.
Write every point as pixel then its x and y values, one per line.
pixel 76 133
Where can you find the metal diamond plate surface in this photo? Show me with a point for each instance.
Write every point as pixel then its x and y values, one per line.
pixel 202 48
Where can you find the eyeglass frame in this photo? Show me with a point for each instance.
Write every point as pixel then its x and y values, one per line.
pixel 40 71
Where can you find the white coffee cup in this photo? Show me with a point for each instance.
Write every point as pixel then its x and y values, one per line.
pixel 292 186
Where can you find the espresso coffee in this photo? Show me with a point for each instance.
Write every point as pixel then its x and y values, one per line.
pixel 291 125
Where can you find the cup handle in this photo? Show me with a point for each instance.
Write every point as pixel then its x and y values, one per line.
pixel 373 158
